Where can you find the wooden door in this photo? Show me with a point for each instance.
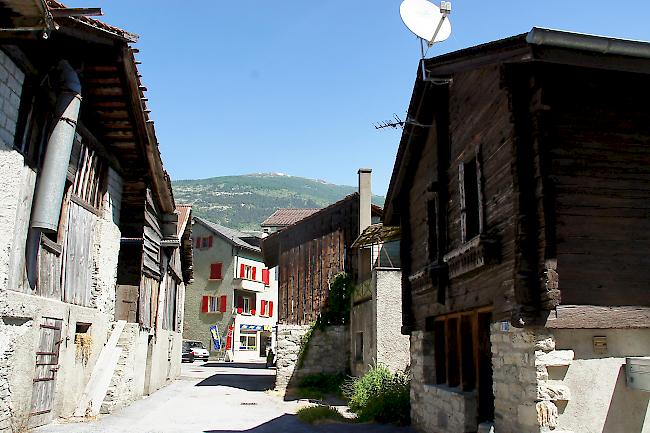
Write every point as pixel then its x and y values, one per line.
pixel 47 364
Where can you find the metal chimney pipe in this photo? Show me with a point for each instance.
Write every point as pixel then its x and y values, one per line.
pixel 51 182
pixel 365 196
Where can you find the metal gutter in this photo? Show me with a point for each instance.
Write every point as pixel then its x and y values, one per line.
pixel 585 42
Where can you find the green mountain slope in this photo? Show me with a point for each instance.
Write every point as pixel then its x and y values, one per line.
pixel 243 202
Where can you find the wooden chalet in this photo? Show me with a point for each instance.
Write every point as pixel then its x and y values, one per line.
pixel 522 190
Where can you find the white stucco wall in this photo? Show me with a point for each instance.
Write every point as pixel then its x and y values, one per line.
pixel 600 399
pixel 392 347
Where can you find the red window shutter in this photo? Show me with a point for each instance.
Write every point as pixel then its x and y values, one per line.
pixel 253 274
pixel 270 308
pixel 204 304
pixel 215 271
pixel 240 302
pixel 222 303
pixel 198 242
pixel 241 271
pixel 265 276
pixel 262 308
pixel 210 242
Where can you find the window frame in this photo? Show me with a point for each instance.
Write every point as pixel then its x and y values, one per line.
pixel 474 160
pixel 452 369
pixel 248 335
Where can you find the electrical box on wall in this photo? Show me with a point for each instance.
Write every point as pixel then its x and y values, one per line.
pixel 600 345
pixel 637 373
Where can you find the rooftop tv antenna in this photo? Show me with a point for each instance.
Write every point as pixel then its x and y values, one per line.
pixel 428 22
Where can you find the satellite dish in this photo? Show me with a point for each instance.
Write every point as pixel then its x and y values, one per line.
pixel 428 21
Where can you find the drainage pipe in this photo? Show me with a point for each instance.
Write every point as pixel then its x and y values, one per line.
pixel 51 183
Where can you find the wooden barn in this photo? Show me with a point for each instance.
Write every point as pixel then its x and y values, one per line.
pixel 96 254
pixel 522 190
pixel 308 254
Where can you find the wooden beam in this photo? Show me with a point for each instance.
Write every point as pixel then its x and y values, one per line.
pixel 76 12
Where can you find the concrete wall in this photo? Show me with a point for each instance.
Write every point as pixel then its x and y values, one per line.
pixel 377 313
pixel 600 399
pixel 327 353
pixel 392 346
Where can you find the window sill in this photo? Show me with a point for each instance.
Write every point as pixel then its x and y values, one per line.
pixel 445 389
pixel 479 251
pixel 215 279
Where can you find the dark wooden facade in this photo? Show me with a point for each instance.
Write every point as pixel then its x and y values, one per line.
pixel 551 141
pixel 309 253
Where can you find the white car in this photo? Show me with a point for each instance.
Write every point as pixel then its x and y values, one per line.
pixel 197 350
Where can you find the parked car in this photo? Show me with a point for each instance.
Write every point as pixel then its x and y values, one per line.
pixel 196 350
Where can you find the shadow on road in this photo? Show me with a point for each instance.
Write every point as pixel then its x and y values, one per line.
pixel 291 423
pixel 249 382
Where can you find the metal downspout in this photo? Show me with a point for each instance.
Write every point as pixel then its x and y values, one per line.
pixel 51 183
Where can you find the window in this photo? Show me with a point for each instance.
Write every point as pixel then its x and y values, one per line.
pixel 358 347
pixel 432 222
pixel 215 271
pixel 471 200
pixel 212 304
pixel 244 304
pixel 89 174
pixel 248 341
pixel 247 272
pixel 460 340
pixel 203 242
pixel 170 312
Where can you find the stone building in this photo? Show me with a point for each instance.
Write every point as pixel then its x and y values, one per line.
pixel 521 192
pixel 232 291
pixel 95 253
pixel 308 254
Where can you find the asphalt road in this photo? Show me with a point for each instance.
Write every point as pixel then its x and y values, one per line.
pixel 213 398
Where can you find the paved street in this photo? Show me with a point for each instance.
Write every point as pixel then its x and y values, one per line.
pixel 213 398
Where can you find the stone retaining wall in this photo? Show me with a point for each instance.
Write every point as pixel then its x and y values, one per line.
pixel 327 353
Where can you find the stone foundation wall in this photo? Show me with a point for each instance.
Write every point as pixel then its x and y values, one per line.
pixel 436 408
pixel 526 400
pixel 327 353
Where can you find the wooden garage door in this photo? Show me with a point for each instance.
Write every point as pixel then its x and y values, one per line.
pixel 47 364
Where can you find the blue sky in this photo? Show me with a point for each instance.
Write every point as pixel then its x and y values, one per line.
pixel 294 86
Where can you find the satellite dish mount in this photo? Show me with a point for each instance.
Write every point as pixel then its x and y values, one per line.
pixel 428 22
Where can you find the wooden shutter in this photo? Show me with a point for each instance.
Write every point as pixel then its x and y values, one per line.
pixel 270 308
pixel 215 271
pixel 242 271
pixel 198 242
pixel 222 303
pixel 262 308
pixel 240 302
pixel 204 304
pixel 265 276
pixel 210 242
pixel 253 272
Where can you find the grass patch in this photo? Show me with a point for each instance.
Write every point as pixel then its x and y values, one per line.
pixel 313 414
pixel 380 395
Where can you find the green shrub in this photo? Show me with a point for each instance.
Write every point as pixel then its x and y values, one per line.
pixel 380 395
pixel 312 414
